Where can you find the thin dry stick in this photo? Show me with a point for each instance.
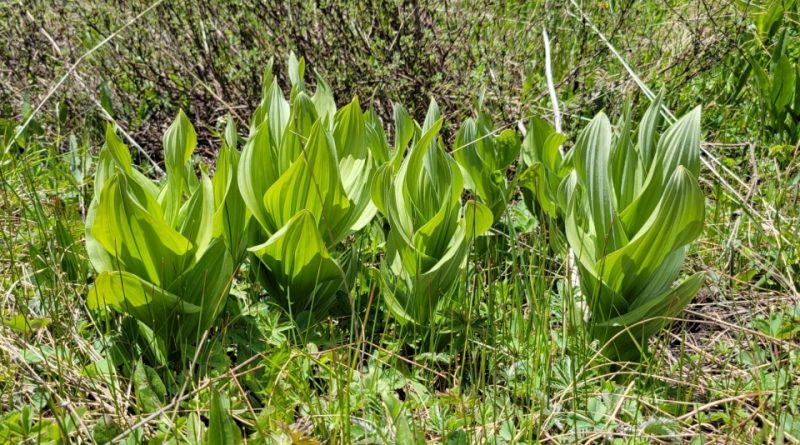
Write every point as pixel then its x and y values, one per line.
pixel 548 72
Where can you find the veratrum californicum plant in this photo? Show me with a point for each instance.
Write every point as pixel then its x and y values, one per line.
pixel 160 256
pixel 426 249
pixel 631 209
pixel 304 175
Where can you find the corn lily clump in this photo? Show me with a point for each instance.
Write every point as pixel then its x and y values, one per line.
pixel 160 257
pixel 544 167
pixel 484 155
pixel 420 196
pixel 631 210
pixel 303 175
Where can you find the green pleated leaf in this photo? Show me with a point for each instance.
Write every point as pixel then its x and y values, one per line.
pixel 677 220
pixel 404 129
pixel 534 180
pixel 349 134
pixel 541 144
pixel 592 164
pixel 196 217
pixel 483 157
pixel 478 219
pixel 412 196
pixel 299 261
pixel 258 170
pixel 678 146
pixel 626 172
pixel 648 131
pixel 376 137
pixel 412 295
pixel 433 237
pixel 466 154
pixel 231 136
pixel 117 149
pixel 356 164
pixel 430 177
pixel 146 302
pixel 382 188
pixel 311 183
pixel 135 234
pixel 205 284
pixel 323 101
pixel 302 117
pixel 540 181
pixel 230 215
pixel 180 140
pixel 295 68
pixel 277 113
pixel 431 116
pixel 267 79
pixel 625 336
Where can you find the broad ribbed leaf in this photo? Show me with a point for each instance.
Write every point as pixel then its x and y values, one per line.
pixel 678 146
pixel 592 164
pixel 205 284
pixel 295 68
pixel 483 157
pixel 534 184
pixel 648 130
pixel 409 198
pixel 676 221
pixel 626 172
pixel 538 130
pixel 196 217
pixel 302 117
pixel 323 101
pixel 432 116
pixel 180 140
pixel 413 297
pixel 467 157
pixel 277 113
pixel 376 137
pixel 356 165
pixel 258 170
pixel 298 259
pixel 404 129
pixel 311 183
pixel 230 215
pixel 625 336
pixel 433 237
pixel 139 240
pixel 118 151
pixel 351 149
pixel 477 219
pixel 146 302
